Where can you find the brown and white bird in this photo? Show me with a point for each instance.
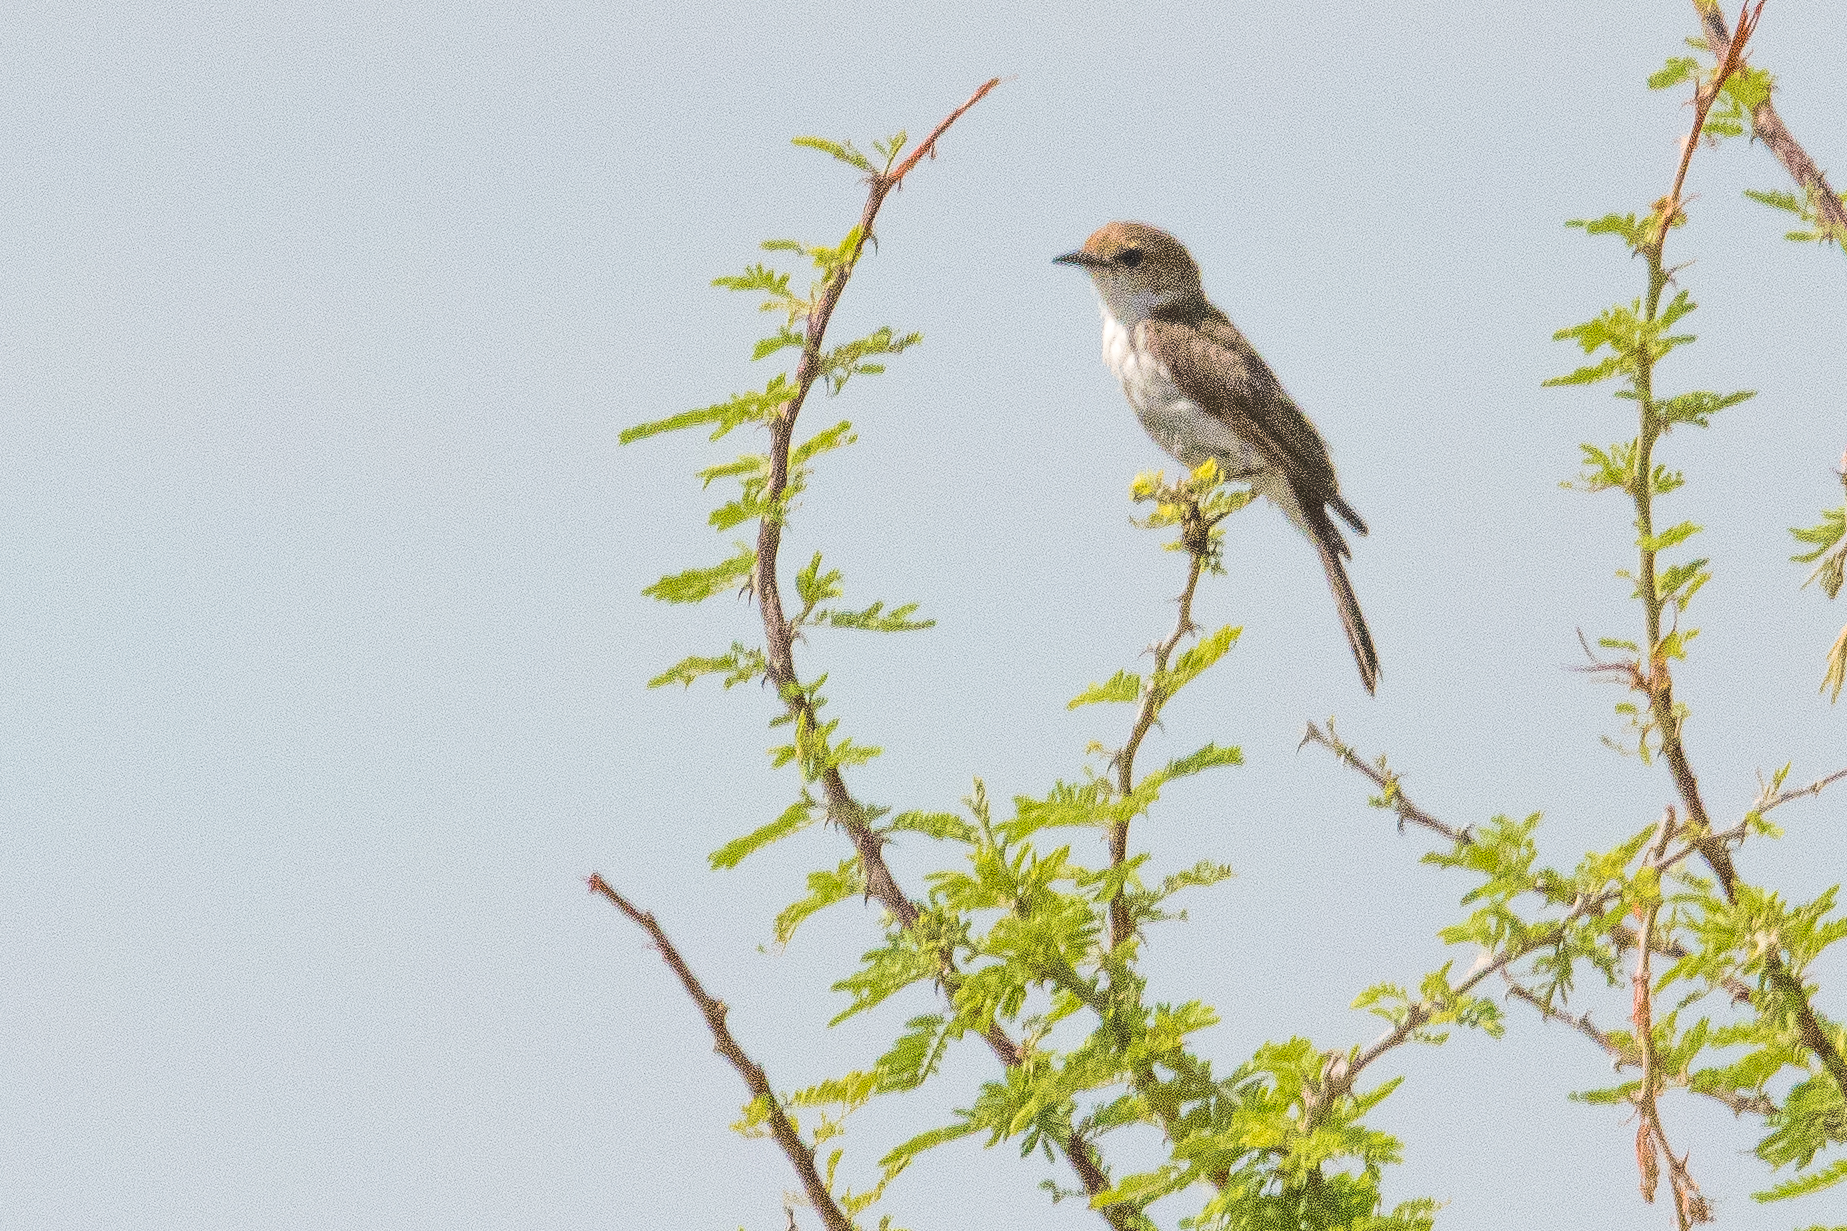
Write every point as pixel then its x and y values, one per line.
pixel 1202 391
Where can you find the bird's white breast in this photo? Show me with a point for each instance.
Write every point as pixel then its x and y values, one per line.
pixel 1175 422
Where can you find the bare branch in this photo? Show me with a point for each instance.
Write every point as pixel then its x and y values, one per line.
pixel 1391 794
pixel 798 1152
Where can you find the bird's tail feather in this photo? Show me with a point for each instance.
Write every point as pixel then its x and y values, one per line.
pixel 1327 544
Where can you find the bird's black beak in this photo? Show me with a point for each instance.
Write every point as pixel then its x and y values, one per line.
pixel 1079 257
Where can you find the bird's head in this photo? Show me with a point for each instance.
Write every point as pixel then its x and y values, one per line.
pixel 1138 270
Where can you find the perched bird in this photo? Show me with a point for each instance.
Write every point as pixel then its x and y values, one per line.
pixel 1202 391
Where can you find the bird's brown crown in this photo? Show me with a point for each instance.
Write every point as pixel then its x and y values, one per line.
pixel 1148 254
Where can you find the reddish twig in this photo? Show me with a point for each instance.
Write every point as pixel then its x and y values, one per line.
pixel 798 1152
pixel 1651 1136
pixel 1767 126
pixel 1731 59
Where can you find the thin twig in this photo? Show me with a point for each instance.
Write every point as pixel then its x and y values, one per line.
pixel 798 1152
pixel 1154 696
pixel 780 634
pixel 1814 788
pixel 1342 1073
pixel 1581 1022
pixel 1391 794
pixel 1767 126
pixel 1622 1056
pixel 1731 59
pixel 1651 1140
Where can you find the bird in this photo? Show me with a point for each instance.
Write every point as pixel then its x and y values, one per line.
pixel 1201 391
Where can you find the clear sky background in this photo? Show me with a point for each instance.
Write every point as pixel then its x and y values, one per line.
pixel 321 634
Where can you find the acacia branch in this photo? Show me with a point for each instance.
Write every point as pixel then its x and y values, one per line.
pixel 1391 795
pixel 1767 126
pixel 1154 696
pixel 1651 1141
pixel 1622 1056
pixel 798 1152
pixel 1814 788
pixel 1344 1071
pixel 1652 675
pixel 780 633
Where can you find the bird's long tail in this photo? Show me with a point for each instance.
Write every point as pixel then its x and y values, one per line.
pixel 1328 543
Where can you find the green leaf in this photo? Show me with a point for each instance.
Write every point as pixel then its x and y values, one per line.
pixel 916 1054
pixel 742 408
pixel 824 890
pixel 1676 70
pixel 875 619
pixel 698 584
pixel 901 1156
pixel 1750 87
pixel 1697 408
pixel 1778 199
pixel 795 818
pixel 1123 686
pixel 814 587
pixel 1802 1186
pixel 1196 660
pixel 1209 757
pixel 782 339
pixel 1590 374
pixel 836 437
pixel 945 825
pixel 1667 538
pixel 1691 574
pixel 843 151
pixel 1627 226
pixel 1837 669
pixel 758 277
pixel 737 666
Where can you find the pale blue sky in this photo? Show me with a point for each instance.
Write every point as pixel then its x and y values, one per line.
pixel 320 615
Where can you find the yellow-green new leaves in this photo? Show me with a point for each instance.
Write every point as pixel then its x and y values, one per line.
pixel 739 409
pixel 888 150
pixel 1837 668
pixel 1635 342
pixel 1830 548
pixel 1832 530
pixel 696 585
pixel 1438 1004
pixel 1123 686
pixel 813 587
pixel 854 358
pixel 824 889
pixel 795 818
pixel 1194 661
pixel 843 150
pixel 740 664
pixel 1804 207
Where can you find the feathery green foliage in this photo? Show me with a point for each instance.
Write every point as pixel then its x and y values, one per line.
pixel 1029 934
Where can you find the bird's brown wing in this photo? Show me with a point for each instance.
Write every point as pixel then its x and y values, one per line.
pixel 1222 373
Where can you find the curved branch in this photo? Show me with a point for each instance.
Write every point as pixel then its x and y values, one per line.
pixel 779 634
pixel 800 1155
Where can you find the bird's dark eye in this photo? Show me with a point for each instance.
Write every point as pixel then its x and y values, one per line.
pixel 1129 258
